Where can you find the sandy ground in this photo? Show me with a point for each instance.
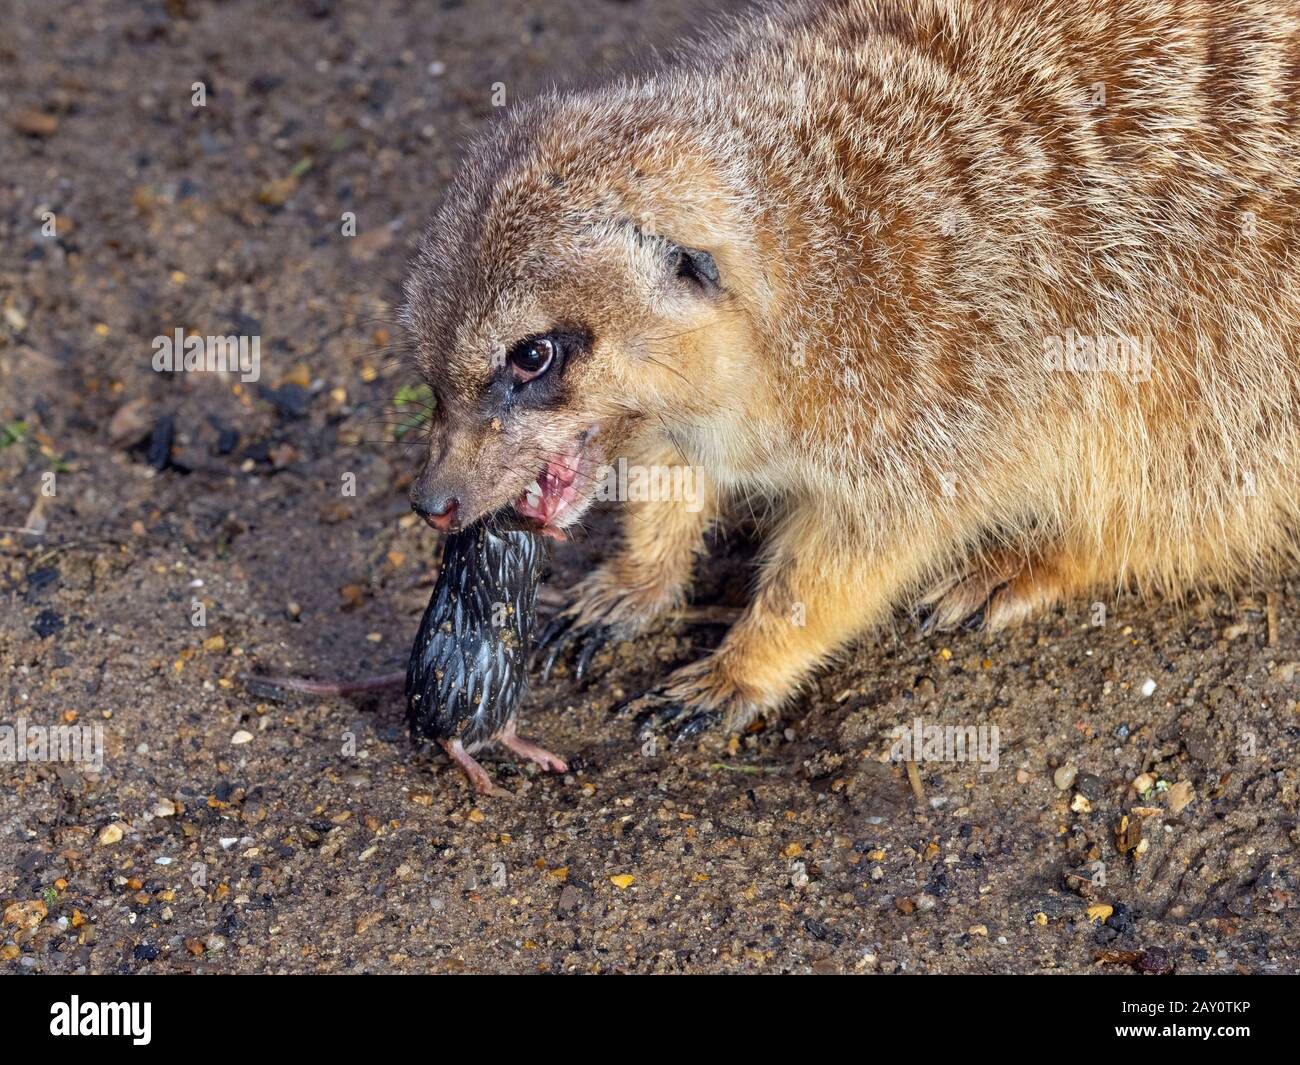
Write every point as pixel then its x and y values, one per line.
pixel 230 833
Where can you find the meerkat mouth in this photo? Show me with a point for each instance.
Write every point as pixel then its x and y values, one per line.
pixel 549 500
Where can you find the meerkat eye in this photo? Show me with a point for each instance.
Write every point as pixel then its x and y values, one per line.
pixel 531 358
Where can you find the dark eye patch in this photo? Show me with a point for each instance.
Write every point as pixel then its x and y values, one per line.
pixel 506 391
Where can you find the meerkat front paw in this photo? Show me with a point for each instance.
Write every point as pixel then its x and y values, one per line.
pixel 566 637
pixel 695 698
pixel 604 610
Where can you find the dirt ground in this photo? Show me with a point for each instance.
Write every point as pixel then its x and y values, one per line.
pixel 228 832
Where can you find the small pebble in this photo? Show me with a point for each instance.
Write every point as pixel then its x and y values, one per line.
pixel 1063 778
pixel 34 123
pixel 1156 961
pixel 1180 796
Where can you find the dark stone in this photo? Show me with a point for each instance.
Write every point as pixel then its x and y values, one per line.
pixel 39 580
pixel 290 399
pixel 161 441
pixel 1122 921
pixel 47 623
pixel 1089 785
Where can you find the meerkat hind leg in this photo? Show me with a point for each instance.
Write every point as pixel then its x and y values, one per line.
pixel 1005 589
pixel 961 601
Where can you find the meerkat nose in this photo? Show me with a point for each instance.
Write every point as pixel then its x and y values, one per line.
pixel 440 513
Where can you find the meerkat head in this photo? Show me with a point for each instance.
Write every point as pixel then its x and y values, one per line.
pixel 573 287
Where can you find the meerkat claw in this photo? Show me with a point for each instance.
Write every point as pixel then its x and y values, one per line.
pixel 662 710
pixel 624 704
pixel 597 640
pixel 557 625
pixel 554 647
pixel 666 710
pixel 701 721
pixel 562 639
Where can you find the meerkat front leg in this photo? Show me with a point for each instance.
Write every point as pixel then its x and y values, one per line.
pixel 818 591
pixel 649 575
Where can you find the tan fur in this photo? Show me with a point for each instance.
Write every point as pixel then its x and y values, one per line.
pixel 906 201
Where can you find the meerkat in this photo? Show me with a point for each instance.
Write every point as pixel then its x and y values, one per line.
pixel 982 305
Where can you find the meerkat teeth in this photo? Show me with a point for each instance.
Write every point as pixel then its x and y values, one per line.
pixel 534 489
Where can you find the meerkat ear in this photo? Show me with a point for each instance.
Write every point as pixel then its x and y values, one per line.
pixel 696 266
pixel 692 265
